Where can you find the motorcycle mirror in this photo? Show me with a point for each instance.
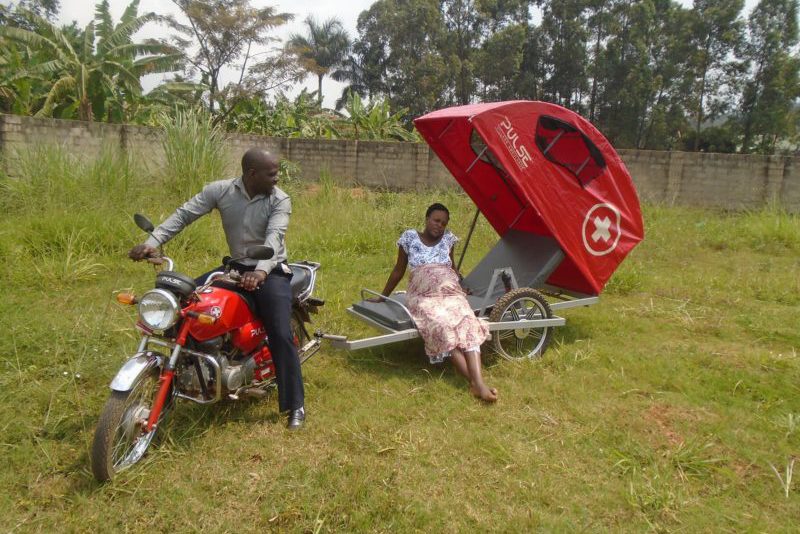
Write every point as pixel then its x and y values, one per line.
pixel 143 223
pixel 260 252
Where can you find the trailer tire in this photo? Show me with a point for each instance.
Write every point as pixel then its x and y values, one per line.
pixel 522 343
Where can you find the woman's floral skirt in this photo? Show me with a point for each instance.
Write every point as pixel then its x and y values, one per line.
pixel 440 309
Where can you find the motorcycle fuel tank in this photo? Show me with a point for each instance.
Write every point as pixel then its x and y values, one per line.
pixel 233 315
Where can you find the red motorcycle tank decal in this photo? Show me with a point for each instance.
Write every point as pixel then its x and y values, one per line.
pixel 247 337
pixel 232 314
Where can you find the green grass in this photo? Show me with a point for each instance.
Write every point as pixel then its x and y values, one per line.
pixel 664 407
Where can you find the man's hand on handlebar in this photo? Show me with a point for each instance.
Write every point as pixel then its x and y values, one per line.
pixel 252 279
pixel 141 252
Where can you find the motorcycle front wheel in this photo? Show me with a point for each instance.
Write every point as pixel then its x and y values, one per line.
pixel 121 438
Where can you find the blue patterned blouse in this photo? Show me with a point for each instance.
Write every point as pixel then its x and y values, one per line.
pixel 420 254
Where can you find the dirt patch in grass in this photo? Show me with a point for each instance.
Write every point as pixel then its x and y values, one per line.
pixel 670 425
pixel 660 418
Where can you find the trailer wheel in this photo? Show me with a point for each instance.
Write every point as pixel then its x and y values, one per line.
pixel 521 343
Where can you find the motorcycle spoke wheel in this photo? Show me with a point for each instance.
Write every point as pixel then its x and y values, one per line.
pixel 121 439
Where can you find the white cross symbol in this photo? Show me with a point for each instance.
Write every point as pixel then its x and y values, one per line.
pixel 601 232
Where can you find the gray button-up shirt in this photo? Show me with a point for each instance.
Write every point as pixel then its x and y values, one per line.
pixel 260 220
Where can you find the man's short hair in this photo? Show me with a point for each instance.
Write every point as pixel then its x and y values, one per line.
pixel 254 158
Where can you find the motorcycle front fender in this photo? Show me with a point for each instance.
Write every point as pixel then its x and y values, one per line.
pixel 139 365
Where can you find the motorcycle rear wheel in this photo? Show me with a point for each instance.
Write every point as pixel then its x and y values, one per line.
pixel 120 439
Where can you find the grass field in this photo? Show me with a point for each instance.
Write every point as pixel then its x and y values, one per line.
pixel 672 405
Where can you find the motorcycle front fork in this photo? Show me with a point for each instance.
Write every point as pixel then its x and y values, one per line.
pixel 168 373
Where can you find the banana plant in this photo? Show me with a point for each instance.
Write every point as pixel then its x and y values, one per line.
pixel 376 120
pixel 102 69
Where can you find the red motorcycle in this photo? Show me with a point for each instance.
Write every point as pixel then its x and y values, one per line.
pixel 203 344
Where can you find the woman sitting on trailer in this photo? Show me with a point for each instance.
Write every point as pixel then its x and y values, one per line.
pixel 437 303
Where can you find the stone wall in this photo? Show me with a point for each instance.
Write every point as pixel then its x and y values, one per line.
pixel 729 181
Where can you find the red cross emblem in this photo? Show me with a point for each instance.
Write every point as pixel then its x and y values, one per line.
pixel 601 229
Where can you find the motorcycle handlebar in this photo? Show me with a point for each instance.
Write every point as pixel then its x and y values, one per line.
pixel 161 260
pixel 232 277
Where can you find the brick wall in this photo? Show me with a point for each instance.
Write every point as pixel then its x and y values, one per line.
pixel 730 181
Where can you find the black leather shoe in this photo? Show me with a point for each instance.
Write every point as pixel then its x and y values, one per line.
pixel 296 419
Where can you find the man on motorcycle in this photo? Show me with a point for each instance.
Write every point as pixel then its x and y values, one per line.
pixel 254 212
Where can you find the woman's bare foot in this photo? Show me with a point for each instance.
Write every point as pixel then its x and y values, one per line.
pixel 484 393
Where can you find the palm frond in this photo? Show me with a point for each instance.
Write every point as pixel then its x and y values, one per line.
pixel 114 85
pixel 56 93
pixel 27 38
pixel 105 24
pixel 139 49
pixel 179 87
pixel 157 64
pixel 123 32
pixel 62 43
pixel 48 67
pixel 87 52
pixel 125 76
pixel 130 12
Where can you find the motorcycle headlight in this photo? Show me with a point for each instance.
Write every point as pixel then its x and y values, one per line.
pixel 159 309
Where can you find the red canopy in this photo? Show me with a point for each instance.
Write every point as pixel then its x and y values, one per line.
pixel 541 168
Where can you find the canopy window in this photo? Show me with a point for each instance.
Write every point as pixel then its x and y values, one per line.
pixel 485 154
pixel 565 145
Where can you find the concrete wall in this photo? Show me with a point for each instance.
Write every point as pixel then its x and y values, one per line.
pixel 729 181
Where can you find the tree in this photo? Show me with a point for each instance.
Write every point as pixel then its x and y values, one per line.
pixel 667 47
pixel 565 36
pixel 532 68
pixel 483 40
pixel 322 50
pixel 400 45
pixel 103 63
pixel 716 31
pixel 19 93
pixel 461 38
pixel 14 13
pixel 498 62
pixel 772 85
pixel 638 65
pixel 598 21
pixel 224 31
pixel 352 73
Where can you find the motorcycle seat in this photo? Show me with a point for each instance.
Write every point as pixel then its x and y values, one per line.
pixel 301 281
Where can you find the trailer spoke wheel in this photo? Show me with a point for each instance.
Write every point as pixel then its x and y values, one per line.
pixel 521 343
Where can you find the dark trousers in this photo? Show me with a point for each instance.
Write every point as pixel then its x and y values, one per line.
pixel 274 302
